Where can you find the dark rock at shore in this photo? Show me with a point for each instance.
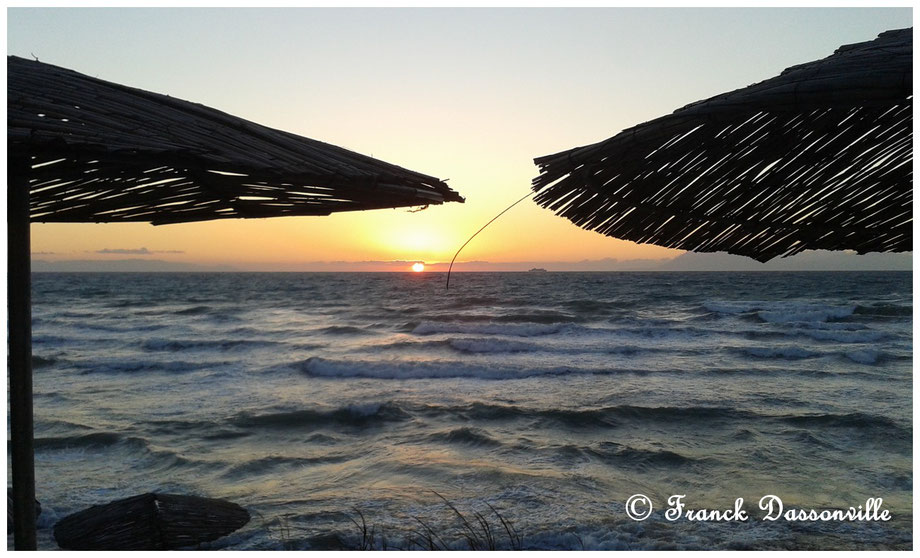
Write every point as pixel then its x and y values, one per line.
pixel 150 522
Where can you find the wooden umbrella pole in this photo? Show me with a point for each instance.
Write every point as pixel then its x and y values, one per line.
pixel 19 299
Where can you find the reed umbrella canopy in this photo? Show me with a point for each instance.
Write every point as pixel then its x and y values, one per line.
pixel 817 158
pixel 81 149
pixel 104 152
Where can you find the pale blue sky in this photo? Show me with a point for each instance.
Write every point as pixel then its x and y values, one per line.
pixel 467 94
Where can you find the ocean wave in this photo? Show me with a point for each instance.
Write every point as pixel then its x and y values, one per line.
pixel 465 435
pixel 193 311
pixel 96 439
pixel 129 303
pixel 842 336
pixel 217 433
pixel 659 533
pixel 472 301
pixel 577 418
pixel 806 314
pixel 620 455
pixel 849 420
pixel 72 314
pixel 49 340
pixel 248 331
pixel 218 313
pixel 486 345
pixel 590 306
pixel 537 317
pixel 135 366
pixel 123 327
pixel 322 439
pixel 515 330
pixel 493 346
pixel 837 326
pixel 43 362
pixel 672 414
pixel 345 330
pixel 155 458
pixel 272 463
pixel 787 352
pixel 839 332
pixel 472 411
pixel 375 312
pixel 604 417
pixel 175 345
pixel 316 366
pixel 667 330
pixel 865 356
pixel 810 439
pixel 414 370
pixel 782 312
pixel 394 411
pixel 306 346
pixel 46 427
pixel 601 416
pixel 456 317
pixel 885 310
pixel 499 345
pixel 409 344
pixel 351 415
pixel 411 370
pixel 734 307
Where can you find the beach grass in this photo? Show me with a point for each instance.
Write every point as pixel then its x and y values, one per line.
pixel 474 530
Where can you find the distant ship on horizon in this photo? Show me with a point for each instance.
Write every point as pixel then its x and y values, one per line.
pixel 536 269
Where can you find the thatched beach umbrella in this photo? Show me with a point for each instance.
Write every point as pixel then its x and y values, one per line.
pixel 85 150
pixel 818 158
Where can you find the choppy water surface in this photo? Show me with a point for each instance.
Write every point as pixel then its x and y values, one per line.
pixel 552 397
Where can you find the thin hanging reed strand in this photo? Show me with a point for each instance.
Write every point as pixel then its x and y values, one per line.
pixel 447 287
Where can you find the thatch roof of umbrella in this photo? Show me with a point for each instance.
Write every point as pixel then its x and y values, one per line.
pixel 818 158
pixel 108 152
pixel 81 149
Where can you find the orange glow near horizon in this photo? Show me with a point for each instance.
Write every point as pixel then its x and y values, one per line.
pixel 366 240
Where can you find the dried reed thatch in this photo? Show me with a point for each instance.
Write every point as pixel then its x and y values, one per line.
pixel 819 157
pixel 106 152
pixel 150 522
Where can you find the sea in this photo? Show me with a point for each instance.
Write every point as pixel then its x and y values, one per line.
pixel 534 410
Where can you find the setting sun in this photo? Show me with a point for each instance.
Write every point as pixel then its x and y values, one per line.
pixel 418 266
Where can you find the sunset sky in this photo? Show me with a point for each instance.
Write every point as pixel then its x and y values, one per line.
pixel 470 95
